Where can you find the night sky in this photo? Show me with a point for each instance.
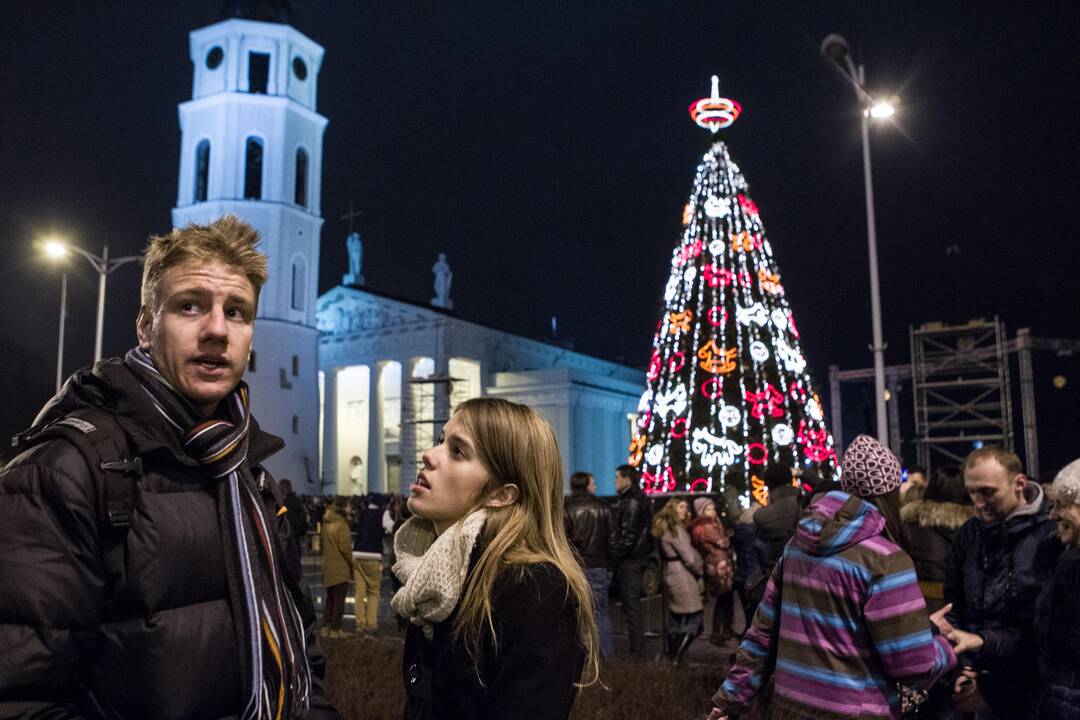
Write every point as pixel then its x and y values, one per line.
pixel 545 146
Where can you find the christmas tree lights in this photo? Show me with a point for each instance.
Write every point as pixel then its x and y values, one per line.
pixel 727 389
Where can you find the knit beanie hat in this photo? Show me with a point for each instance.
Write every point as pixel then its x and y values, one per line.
pixel 1066 487
pixel 869 469
pixel 700 504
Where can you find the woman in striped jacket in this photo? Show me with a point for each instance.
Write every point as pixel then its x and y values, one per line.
pixel 843 621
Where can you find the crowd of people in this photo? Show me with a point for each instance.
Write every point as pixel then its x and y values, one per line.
pixel 151 564
pixel 948 596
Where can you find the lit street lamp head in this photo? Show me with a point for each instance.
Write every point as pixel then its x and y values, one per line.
pixel 882 110
pixel 55 248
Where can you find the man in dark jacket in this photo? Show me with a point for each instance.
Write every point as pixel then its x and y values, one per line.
pixel 776 521
pixel 164 585
pixel 630 545
pixel 999 561
pixel 295 513
pixel 588 527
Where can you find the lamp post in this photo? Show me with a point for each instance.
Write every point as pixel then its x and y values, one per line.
pixel 102 266
pixel 836 49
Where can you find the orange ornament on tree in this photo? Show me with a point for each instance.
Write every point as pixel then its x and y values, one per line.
pixel 715 359
pixel 680 321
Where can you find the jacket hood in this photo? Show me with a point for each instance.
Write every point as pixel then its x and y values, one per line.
pixel 934 514
pixel 1033 501
pixel 109 385
pixel 835 522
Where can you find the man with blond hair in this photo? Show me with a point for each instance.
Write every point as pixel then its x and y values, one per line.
pixel 999 561
pixel 147 563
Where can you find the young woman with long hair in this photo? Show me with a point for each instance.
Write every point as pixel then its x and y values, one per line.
pixel 500 612
pixel 683 565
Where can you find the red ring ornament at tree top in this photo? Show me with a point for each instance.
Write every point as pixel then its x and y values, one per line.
pixel 714 112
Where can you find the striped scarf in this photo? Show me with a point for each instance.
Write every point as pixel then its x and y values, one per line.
pixel 274 667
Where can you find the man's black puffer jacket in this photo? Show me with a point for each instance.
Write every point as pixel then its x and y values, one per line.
pixel 164 647
pixel 994 574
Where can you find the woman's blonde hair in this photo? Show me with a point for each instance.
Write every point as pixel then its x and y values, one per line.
pixel 665 521
pixel 516 445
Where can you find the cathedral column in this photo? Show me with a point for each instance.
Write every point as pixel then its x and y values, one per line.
pixel 328 478
pixel 408 426
pixel 376 452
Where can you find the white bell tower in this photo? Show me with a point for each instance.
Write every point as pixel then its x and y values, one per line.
pixel 251 144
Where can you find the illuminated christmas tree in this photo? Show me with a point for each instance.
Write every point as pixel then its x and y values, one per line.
pixel 727 390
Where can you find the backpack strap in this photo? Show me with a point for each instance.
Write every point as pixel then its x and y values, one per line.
pixel 101 441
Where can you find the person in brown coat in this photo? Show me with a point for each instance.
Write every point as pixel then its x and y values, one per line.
pixel 337 565
pixel 683 565
pixel 711 539
pixel 931 516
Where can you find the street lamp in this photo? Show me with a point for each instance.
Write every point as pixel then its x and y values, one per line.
pixel 102 266
pixel 836 49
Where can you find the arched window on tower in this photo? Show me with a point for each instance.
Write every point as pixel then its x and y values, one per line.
pixel 253 158
pixel 299 283
pixel 301 177
pixel 202 169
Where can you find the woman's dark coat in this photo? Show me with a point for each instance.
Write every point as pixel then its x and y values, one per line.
pixel 1057 633
pixel 528 673
pixel 930 526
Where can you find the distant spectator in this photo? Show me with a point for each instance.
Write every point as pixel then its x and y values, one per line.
pixel 749 558
pixel 915 484
pixel 775 525
pixel 776 521
pixel 683 565
pixel 295 513
pixel 811 485
pixel 931 518
pixel 337 565
pixel 367 565
pixel 711 539
pixel 588 526
pixel 630 545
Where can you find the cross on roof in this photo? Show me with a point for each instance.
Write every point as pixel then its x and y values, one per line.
pixel 351 215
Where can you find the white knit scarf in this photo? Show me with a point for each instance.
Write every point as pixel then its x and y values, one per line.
pixel 433 568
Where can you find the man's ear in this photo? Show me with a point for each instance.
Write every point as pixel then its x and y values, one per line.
pixel 1020 483
pixel 503 496
pixel 144 325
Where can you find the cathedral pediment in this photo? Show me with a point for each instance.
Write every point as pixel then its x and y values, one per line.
pixel 346 311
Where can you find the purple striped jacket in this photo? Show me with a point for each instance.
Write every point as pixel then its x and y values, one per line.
pixel 853 623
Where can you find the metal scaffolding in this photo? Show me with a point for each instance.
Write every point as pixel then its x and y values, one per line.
pixel 427 412
pixel 960 381
pixel 1023 345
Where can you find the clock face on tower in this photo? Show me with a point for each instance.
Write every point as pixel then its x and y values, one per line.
pixel 214 57
pixel 299 68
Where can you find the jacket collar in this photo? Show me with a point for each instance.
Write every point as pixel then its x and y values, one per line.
pixel 111 386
